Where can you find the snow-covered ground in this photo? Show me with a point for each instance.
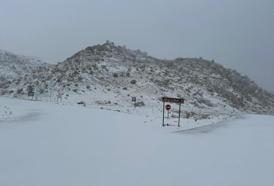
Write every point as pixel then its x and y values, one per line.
pixel 44 144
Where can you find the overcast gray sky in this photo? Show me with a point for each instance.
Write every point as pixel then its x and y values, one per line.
pixel 236 33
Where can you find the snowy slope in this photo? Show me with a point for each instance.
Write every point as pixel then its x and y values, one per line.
pixel 13 65
pixel 45 144
pixel 109 76
pixel 5 112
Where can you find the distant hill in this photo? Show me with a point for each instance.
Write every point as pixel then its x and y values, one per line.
pixel 109 76
pixel 12 65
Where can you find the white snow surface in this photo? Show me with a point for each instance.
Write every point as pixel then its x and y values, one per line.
pixel 44 144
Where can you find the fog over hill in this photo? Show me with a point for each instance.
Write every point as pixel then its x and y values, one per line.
pixel 13 65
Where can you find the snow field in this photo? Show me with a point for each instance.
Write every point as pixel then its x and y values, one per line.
pixel 73 145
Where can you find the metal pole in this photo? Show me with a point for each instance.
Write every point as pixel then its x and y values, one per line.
pixel 163 124
pixel 179 115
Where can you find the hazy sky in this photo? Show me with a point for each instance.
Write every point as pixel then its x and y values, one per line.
pixel 236 33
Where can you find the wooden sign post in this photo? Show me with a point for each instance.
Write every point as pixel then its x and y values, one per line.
pixel 168 107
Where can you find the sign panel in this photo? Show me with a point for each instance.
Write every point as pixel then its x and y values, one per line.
pixel 168 107
pixel 173 100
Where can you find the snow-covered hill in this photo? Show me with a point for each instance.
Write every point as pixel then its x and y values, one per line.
pixel 46 144
pixel 13 66
pixel 109 76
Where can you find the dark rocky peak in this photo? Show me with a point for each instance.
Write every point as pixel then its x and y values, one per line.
pixel 108 51
pixel 102 48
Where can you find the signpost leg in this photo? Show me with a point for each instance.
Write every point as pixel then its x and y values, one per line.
pixel 179 115
pixel 163 124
